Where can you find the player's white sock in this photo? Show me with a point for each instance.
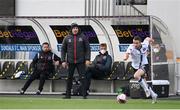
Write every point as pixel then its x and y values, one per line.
pixel 152 92
pixel 144 86
pixel 153 95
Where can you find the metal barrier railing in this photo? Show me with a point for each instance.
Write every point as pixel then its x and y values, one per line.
pixel 111 8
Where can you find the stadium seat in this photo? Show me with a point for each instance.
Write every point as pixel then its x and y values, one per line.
pixel 56 74
pixel 0 66
pixel 113 75
pixel 30 70
pixel 129 72
pixel 61 72
pixel 117 71
pixel 8 69
pixel 28 73
pixel 21 66
pixel 0 69
pixel 121 70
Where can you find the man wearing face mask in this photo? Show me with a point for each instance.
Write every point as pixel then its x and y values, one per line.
pixel 43 66
pixel 75 53
pixel 101 65
pixel 159 53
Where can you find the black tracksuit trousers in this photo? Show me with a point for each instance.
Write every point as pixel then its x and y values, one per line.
pixel 81 68
pixel 42 75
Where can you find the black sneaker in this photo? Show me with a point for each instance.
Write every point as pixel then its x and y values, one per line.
pixel 67 97
pixel 21 92
pixel 87 92
pixel 63 93
pixel 38 92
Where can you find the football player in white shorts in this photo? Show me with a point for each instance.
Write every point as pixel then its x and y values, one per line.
pixel 139 51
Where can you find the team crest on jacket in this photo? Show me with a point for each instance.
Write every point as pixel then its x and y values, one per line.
pixel 69 40
pixel 80 40
pixel 144 49
pixel 104 57
pixel 49 58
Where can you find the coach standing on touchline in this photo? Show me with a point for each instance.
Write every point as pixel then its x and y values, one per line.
pixel 75 53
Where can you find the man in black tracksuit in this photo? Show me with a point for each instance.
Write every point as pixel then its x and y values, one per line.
pixel 42 67
pixel 100 67
pixel 77 49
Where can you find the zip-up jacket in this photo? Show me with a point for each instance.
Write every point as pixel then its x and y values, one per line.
pixel 75 49
pixel 103 62
pixel 43 61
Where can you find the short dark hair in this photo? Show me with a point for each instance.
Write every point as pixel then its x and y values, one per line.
pixel 45 43
pixel 137 38
pixel 103 45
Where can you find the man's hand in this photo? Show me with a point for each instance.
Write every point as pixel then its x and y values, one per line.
pixel 88 62
pixel 150 40
pixel 56 63
pixel 126 57
pixel 64 65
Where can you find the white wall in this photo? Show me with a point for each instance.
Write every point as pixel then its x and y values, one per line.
pixel 50 7
pixel 169 12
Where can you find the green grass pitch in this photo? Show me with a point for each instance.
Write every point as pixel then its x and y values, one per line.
pixel 40 102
